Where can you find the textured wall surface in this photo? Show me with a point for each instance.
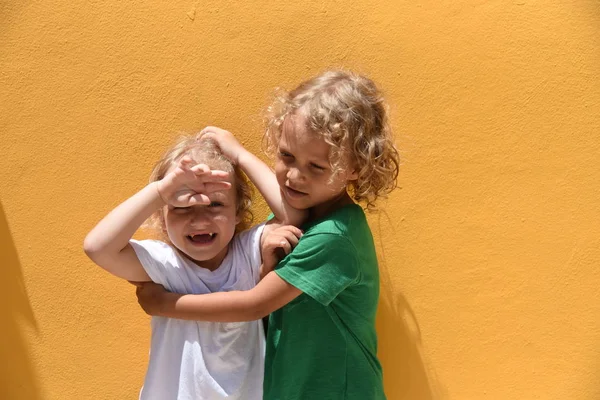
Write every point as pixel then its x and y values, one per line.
pixel 489 251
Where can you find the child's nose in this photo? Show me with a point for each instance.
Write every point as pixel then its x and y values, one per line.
pixel 294 174
pixel 200 216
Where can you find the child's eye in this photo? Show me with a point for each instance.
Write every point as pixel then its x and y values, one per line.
pixel 216 204
pixel 284 154
pixel 317 167
pixel 180 210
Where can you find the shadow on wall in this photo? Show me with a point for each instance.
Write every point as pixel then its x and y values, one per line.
pixel 406 374
pixel 17 378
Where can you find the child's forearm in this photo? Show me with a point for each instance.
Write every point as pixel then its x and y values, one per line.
pixel 113 232
pixel 269 295
pixel 232 306
pixel 266 182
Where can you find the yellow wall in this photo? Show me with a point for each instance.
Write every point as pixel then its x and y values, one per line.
pixel 490 250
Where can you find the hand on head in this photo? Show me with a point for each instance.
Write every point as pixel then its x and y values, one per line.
pixel 229 145
pixel 188 184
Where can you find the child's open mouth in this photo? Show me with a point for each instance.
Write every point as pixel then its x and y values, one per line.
pixel 202 238
pixel 294 193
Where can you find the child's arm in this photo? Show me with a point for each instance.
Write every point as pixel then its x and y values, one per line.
pixel 107 244
pixel 270 294
pixel 259 173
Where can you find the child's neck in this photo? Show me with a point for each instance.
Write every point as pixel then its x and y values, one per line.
pixel 321 210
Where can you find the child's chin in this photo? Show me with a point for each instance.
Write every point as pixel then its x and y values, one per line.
pixel 298 203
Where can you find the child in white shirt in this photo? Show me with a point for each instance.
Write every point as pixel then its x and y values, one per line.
pixel 200 202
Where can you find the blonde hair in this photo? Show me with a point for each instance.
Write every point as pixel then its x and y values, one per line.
pixel 207 152
pixel 349 112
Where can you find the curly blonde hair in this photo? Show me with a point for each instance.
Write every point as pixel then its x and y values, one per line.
pixel 205 151
pixel 349 112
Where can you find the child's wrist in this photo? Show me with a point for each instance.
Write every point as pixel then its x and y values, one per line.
pixel 243 157
pixel 167 303
pixel 159 192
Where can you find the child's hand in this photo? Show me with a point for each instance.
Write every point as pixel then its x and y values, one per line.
pixel 149 295
pixel 228 144
pixel 277 244
pixel 189 184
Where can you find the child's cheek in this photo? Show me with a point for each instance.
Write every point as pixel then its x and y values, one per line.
pixel 224 218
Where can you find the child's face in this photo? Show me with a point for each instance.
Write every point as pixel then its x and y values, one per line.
pixel 303 168
pixel 203 232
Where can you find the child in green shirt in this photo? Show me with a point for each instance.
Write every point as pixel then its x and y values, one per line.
pixel 333 148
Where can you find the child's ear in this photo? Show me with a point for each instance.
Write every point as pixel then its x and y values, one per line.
pixel 238 218
pixel 163 224
pixel 351 166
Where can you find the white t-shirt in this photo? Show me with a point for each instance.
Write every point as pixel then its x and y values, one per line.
pixel 204 360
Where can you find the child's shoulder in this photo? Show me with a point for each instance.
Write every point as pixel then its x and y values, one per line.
pixel 152 243
pixel 249 236
pixel 346 228
pixel 155 249
pixel 344 221
pixel 247 244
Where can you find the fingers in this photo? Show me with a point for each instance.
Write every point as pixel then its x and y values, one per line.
pixel 147 288
pixel 199 199
pixel 211 187
pixel 285 237
pixel 185 163
pixel 207 180
pixel 207 174
pixel 286 246
pixel 290 233
pixel 209 135
pixel 200 169
pixel 289 237
pixel 189 198
pixel 214 181
pixel 292 229
pixel 211 129
pixel 279 242
pixel 190 183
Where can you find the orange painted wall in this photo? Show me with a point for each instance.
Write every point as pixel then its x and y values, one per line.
pixel 489 251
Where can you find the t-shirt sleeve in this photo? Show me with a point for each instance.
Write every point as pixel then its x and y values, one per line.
pixel 248 243
pixel 321 265
pixel 154 256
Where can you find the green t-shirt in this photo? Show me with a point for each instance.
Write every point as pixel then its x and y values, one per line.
pixel 322 345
